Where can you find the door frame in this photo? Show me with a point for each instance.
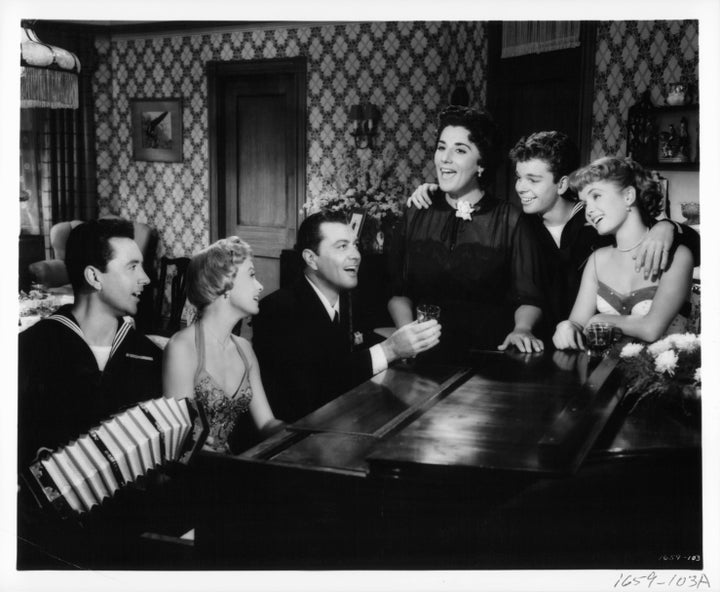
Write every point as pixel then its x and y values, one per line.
pixel 218 73
pixel 585 96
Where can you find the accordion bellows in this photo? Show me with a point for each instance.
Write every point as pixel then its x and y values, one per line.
pixel 121 449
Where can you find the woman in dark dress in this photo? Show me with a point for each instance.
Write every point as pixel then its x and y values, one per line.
pixel 469 253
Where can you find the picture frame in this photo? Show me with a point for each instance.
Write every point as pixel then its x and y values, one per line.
pixel 157 131
pixel 357 220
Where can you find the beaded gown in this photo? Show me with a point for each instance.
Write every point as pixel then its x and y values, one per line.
pixel 230 425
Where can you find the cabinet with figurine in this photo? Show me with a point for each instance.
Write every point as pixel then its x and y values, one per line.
pixel 664 137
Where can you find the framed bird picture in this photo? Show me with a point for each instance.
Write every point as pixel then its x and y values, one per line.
pixel 157 129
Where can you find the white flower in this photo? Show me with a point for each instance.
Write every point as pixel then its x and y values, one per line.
pixel 666 362
pixel 464 210
pixel 698 375
pixel 685 342
pixel 660 346
pixel 631 350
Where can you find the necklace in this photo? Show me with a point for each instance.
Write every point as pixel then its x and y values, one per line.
pixel 221 343
pixel 635 246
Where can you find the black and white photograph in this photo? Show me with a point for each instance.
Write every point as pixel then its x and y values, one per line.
pixel 383 298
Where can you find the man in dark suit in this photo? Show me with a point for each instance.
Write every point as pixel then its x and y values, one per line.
pixel 309 343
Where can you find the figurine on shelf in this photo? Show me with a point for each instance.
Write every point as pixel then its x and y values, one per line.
pixel 641 131
pixel 674 147
pixel 684 140
pixel 672 140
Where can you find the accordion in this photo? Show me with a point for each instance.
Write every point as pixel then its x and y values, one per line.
pixel 128 445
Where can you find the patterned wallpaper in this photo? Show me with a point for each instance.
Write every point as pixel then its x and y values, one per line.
pixel 632 57
pixel 408 69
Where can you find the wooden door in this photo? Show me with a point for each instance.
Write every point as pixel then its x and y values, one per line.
pixel 257 155
pixel 545 91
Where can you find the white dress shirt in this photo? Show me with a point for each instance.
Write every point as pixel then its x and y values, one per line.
pixel 377 355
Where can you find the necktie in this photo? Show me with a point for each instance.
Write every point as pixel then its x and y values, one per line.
pixel 336 318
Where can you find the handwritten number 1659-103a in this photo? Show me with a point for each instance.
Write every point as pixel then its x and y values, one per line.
pixel 652 580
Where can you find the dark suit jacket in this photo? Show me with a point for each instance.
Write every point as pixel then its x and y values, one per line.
pixel 306 360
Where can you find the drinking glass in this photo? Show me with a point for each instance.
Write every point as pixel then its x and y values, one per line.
pixel 600 336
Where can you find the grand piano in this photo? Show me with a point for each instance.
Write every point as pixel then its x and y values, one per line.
pixel 512 461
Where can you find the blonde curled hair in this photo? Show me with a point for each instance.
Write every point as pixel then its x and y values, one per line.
pixel 212 271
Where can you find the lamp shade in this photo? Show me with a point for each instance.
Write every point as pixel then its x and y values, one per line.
pixel 48 74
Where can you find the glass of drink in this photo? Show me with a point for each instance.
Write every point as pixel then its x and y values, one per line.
pixel 425 312
pixel 600 336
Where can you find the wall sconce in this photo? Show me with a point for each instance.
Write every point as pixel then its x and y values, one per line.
pixel 364 118
pixel 460 95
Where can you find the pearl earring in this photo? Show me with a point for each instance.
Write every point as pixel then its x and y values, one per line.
pixel 628 208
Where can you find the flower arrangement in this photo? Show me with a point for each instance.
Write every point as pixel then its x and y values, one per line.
pixel 668 369
pixel 362 181
pixel 37 302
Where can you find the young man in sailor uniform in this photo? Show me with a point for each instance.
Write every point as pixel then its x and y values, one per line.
pixel 77 367
pixel 86 361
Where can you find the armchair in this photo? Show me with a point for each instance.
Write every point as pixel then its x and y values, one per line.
pixel 51 273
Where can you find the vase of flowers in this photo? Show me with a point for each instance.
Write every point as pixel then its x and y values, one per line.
pixel 666 372
pixel 363 181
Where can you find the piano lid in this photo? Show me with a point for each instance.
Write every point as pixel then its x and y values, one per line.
pixel 522 412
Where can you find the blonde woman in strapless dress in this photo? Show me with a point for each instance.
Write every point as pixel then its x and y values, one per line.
pixel 207 362
pixel 622 199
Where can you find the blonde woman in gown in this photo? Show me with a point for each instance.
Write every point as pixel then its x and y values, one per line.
pixel 207 362
pixel 622 199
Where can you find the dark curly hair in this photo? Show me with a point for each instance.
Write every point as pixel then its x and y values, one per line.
pixel 555 148
pixel 482 132
pixel 309 235
pixel 89 244
pixel 624 172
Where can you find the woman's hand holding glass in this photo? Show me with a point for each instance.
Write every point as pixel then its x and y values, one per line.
pixel 568 335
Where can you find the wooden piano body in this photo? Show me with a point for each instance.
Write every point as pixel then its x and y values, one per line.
pixel 516 461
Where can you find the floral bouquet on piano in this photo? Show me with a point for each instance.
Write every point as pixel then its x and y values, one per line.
pixel 667 371
pixel 357 180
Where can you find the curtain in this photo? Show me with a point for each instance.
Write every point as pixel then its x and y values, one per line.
pixel 67 155
pixel 527 37
pixel 30 210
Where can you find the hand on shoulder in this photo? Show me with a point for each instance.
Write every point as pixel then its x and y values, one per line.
pixel 421 197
